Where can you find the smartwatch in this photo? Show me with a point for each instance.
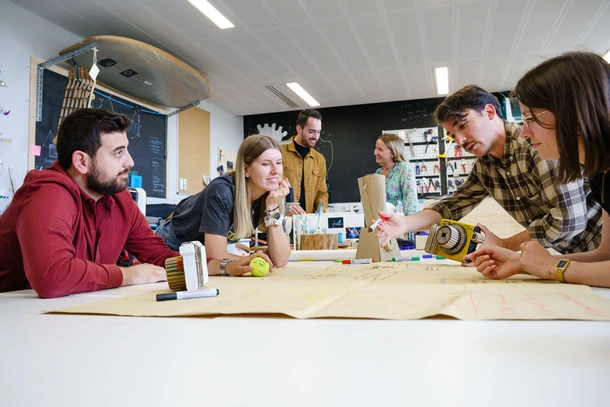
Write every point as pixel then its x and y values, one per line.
pixel 560 268
pixel 223 267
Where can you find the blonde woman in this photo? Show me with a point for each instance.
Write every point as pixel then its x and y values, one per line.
pixel 232 206
pixel 400 182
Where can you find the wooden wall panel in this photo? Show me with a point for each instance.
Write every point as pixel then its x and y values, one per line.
pixel 193 149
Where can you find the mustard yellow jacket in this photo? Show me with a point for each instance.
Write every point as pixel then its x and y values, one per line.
pixel 316 192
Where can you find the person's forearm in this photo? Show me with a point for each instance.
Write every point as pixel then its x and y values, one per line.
pixel 321 200
pixel 321 195
pixel 72 277
pixel 597 275
pixel 514 242
pixel 216 247
pixel 213 266
pixel 594 256
pixel 422 221
pixel 278 246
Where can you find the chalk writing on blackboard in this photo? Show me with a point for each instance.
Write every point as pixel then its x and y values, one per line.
pixel 147 134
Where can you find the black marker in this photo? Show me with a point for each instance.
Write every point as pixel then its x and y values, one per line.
pixel 185 295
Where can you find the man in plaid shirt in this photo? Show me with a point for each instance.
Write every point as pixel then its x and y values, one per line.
pixel 508 169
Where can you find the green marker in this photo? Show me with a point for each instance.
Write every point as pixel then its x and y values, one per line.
pixel 415 258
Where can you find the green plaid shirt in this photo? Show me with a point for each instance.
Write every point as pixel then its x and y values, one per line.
pixel 565 218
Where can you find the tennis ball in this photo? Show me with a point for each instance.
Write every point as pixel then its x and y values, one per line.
pixel 260 267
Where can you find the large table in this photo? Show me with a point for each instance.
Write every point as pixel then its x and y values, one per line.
pixel 93 360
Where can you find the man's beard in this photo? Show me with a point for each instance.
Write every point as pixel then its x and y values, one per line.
pixel 305 142
pixel 311 144
pixel 95 183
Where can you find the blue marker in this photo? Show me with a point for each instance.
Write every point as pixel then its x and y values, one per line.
pixel 427 256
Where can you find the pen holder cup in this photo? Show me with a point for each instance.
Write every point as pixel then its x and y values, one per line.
pixel 189 271
pixel 319 241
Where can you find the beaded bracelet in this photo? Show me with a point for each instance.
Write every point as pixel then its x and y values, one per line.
pixel 272 210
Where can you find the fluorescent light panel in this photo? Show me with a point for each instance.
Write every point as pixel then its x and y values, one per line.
pixel 212 13
pixel 442 80
pixel 607 56
pixel 296 88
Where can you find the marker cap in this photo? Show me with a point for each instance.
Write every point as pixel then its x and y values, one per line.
pixel 166 296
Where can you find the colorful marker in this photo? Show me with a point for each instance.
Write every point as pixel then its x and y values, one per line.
pixel 427 256
pixel 376 223
pixel 357 261
pixel 185 295
pixel 414 258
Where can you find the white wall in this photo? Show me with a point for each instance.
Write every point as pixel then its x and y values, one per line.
pixel 23 34
pixel 226 131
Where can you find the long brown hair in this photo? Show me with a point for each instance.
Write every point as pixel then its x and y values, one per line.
pixel 249 150
pixel 575 87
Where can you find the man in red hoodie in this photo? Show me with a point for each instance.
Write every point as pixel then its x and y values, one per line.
pixel 66 226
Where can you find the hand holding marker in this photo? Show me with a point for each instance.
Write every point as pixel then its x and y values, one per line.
pixel 376 223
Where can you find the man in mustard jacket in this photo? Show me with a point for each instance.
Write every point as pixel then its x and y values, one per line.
pixel 304 166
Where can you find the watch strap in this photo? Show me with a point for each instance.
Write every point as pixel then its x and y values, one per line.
pixel 223 266
pixel 560 268
pixel 273 219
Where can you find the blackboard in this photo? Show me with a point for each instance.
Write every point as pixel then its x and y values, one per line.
pixel 147 135
pixel 348 137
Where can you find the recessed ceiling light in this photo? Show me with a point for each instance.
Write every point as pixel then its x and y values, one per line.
pixel 442 80
pixel 212 13
pixel 607 56
pixel 296 88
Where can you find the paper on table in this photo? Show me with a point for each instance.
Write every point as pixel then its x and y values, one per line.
pixel 322 255
pixel 378 291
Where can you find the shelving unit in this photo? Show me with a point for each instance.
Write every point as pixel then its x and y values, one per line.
pixel 439 165
pixel 458 164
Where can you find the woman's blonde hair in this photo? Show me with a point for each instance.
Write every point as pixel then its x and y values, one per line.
pixel 249 150
pixel 396 145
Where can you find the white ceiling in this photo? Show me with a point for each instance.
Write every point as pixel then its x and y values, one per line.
pixel 344 52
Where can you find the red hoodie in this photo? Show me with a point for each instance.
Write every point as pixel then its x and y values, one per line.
pixel 56 239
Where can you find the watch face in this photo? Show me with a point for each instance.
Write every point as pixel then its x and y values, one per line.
pixel 277 215
pixel 562 264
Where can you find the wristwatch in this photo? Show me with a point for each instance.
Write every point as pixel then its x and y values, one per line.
pixel 273 219
pixel 560 268
pixel 223 267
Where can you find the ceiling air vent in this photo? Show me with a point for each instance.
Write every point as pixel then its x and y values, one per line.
pixel 280 95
